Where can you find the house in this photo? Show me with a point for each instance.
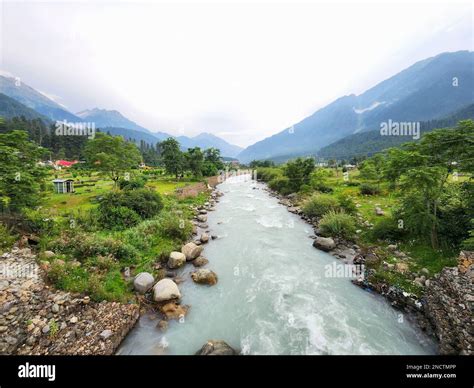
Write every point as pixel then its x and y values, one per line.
pixel 64 163
pixel 62 186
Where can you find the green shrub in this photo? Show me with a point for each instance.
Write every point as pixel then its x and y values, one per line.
pixel 146 203
pixel 80 246
pixel 172 226
pixel 320 204
pixel 387 229
pixel 118 218
pixel 368 189
pixel 338 224
pixel 132 184
pixel 347 204
pixel 267 174
pixel 121 210
pixel 468 244
pixel 7 239
pixel 280 184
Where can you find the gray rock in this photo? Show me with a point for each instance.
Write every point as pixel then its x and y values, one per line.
pixel 201 218
pixel 216 348
pixel 143 282
pixel 324 243
pixel 106 334
pixel 191 251
pixel 176 260
pixel 204 238
pixel 200 261
pixel 204 276
pixel 165 290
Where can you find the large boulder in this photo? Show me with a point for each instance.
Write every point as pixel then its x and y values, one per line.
pixel 143 282
pixel 191 251
pixel 324 243
pixel 204 276
pixel 216 348
pixel 176 259
pixel 165 290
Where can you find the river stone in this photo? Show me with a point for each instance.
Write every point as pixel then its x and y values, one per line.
pixel 165 290
pixel 202 218
pixel 176 260
pixel 324 243
pixel 191 251
pixel 143 282
pixel 204 238
pixel 200 261
pixel 216 348
pixel 173 310
pixel 204 276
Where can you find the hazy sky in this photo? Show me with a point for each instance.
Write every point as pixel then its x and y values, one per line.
pixel 241 71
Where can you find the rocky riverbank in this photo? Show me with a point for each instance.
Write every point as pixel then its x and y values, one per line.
pixel 445 308
pixel 39 320
pixel 163 296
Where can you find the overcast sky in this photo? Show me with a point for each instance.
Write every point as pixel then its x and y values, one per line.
pixel 241 71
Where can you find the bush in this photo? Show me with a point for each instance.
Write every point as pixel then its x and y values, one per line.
pixel 132 184
pixel 368 189
pixel 347 204
pixel 118 218
pixel 81 246
pixel 7 239
pixel 338 224
pixel 319 204
pixel 267 174
pixel 280 184
pixel 172 226
pixel 387 229
pixel 146 203
pixel 121 210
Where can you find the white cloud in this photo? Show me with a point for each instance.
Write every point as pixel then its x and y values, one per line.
pixel 246 70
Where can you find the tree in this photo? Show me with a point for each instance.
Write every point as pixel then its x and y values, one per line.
pixel 422 170
pixel 194 161
pixel 213 156
pixel 172 157
pixel 111 155
pixel 373 168
pixel 21 178
pixel 299 172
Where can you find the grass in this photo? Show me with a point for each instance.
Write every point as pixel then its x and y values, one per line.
pixel 102 276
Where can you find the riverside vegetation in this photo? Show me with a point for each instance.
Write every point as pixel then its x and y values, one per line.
pixel 412 206
pixel 121 219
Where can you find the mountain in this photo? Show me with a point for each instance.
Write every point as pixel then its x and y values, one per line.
pixel 207 140
pixel 370 142
pixel 424 91
pixel 33 99
pixel 10 108
pixel 109 118
pixel 19 99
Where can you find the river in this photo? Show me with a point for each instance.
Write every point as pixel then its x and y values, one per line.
pixel 273 296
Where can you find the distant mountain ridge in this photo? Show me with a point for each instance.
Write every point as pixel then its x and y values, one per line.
pixel 109 118
pixel 424 91
pixel 19 99
pixel 21 92
pixel 370 142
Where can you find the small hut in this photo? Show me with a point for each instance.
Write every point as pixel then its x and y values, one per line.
pixel 62 186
